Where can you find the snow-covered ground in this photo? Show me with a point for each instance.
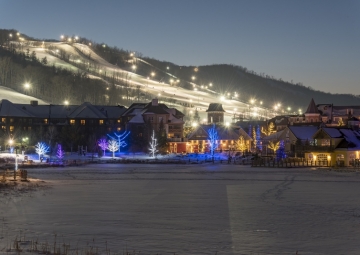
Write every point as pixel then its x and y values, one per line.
pixel 187 209
pixel 16 97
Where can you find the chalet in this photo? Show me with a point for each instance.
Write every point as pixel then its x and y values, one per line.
pixel 338 146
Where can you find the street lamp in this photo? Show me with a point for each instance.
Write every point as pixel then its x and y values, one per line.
pixel 26 86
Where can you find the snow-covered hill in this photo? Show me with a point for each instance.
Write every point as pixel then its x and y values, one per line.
pixel 16 97
pixel 81 55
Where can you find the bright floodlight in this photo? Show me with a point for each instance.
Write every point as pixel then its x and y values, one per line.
pixel 27 85
pixel 222 98
pixel 194 124
pixel 152 74
pixel 260 102
pixel 76 37
pixel 167 68
pixel 193 77
pixel 227 124
pixel 252 101
pixel 133 67
pixel 210 84
pixel 69 39
pixel 11 141
pixel 289 108
pixel 62 37
pixel 66 102
pixel 10 35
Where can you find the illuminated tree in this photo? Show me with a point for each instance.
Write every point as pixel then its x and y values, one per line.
pixel 153 145
pixel 120 138
pixel 188 130
pixel 258 138
pixel 280 153
pixel 341 122
pixel 60 152
pixel 113 146
pixel 213 137
pixel 274 146
pixel 41 148
pixel 254 137
pixel 270 129
pixel 103 144
pixel 240 144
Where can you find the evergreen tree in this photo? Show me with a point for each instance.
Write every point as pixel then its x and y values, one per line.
pixel 162 138
pixel 196 117
pixel 44 61
pixel 280 153
pixel 258 138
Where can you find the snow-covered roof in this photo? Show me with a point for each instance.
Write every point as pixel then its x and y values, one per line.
pixel 332 132
pixel 303 132
pixel 138 118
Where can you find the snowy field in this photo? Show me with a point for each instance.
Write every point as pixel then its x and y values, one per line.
pixel 187 209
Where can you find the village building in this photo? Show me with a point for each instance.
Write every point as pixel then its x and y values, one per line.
pixel 28 117
pixel 151 116
pixel 335 146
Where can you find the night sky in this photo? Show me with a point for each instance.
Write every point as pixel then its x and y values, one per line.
pixel 313 42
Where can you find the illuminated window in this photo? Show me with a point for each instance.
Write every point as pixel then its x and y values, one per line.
pixel 118 129
pixel 3 120
pixel 72 122
pixel 12 128
pixel 82 122
pixel 101 122
pixel 45 121
pixel 118 121
pixel 11 120
pixel 3 127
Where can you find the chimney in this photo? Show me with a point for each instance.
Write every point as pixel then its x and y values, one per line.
pixel 33 102
pixel 154 102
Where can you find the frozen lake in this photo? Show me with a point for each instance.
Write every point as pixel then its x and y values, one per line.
pixel 191 209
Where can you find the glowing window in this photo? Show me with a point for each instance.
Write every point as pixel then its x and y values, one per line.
pixel 82 122
pixel 101 122
pixel 72 122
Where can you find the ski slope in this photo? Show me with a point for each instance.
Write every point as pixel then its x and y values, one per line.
pixel 16 97
pixel 199 98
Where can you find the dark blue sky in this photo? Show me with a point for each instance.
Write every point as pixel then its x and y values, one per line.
pixel 315 42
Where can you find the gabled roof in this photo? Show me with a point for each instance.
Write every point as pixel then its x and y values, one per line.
pixel 157 109
pixel 312 107
pixel 7 108
pixel 138 118
pixel 214 107
pixel 303 132
pixel 87 110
